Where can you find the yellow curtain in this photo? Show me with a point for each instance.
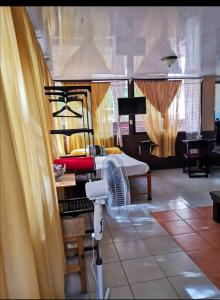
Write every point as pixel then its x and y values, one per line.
pixel 76 141
pixel 101 100
pixel 55 140
pixel 100 105
pixel 32 264
pixel 58 140
pixel 162 118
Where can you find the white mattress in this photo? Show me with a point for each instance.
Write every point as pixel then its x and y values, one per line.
pixel 133 166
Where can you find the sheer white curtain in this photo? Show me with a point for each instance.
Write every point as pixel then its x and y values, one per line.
pixel 119 90
pixel 192 96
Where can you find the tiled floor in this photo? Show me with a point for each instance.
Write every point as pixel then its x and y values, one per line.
pixel 202 244
pixel 168 248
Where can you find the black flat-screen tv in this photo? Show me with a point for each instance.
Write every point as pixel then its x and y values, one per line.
pixel 132 106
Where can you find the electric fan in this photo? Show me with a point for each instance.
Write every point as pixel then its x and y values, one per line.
pixel 113 190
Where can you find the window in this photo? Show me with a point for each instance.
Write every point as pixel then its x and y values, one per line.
pixel 217 101
pixel 139 126
pixel 119 89
pixel 189 107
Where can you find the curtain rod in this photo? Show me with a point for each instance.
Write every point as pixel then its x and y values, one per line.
pixel 82 80
pixel 120 79
pixel 170 78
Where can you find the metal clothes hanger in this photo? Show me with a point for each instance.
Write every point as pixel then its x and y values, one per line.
pixel 66 107
pixel 65 99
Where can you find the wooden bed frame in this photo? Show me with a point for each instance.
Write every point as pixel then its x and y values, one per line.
pixel 149 185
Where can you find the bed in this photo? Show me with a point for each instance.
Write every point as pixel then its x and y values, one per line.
pixel 134 168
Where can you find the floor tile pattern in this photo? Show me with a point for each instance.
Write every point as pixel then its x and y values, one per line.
pixel 167 249
pixel 202 244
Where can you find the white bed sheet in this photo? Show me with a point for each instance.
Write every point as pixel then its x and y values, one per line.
pixel 132 165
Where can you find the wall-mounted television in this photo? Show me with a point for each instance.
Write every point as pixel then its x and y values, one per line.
pixel 132 106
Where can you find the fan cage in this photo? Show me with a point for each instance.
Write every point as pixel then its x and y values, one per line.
pixel 114 172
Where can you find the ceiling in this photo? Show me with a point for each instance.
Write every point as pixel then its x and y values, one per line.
pixel 104 42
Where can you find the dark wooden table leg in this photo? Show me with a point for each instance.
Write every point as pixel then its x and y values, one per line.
pixel 149 188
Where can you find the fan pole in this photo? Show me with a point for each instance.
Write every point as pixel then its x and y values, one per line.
pixel 114 191
pixel 98 231
pixel 97 235
pixel 99 269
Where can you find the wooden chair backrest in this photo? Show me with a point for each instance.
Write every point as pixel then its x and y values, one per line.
pixel 72 228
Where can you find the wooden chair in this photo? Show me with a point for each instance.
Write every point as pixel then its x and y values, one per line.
pixel 196 154
pixel 73 235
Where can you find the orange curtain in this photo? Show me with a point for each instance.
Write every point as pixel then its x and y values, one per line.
pixel 160 94
pixel 160 126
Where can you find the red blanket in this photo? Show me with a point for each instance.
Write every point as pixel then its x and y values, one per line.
pixel 76 163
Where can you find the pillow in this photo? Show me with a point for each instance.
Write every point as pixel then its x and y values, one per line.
pixel 113 150
pixel 96 150
pixel 78 152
